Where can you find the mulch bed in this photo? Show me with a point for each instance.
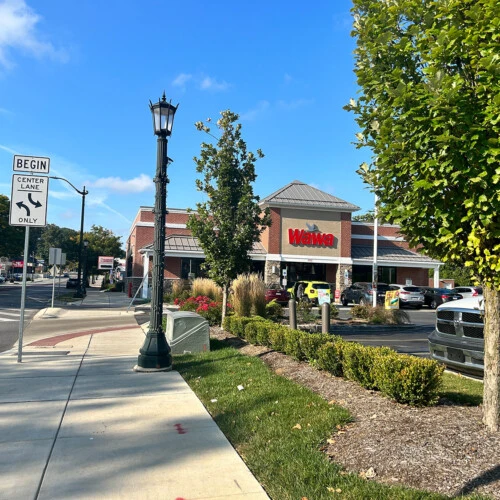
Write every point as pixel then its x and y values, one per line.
pixel 443 449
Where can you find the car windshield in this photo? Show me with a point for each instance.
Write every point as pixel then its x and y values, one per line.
pixel 274 286
pixel 321 286
pixel 411 289
pixel 382 287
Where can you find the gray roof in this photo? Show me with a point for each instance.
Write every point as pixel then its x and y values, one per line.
pixel 389 254
pixel 178 243
pixel 299 194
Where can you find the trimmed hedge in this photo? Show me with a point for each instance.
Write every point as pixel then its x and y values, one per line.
pixel 403 378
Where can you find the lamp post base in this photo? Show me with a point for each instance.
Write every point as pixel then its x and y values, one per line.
pixel 154 354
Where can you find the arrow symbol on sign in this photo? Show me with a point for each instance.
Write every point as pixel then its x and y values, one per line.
pixel 36 203
pixel 21 204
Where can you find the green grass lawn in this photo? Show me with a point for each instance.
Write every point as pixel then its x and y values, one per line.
pixel 278 427
pixel 462 390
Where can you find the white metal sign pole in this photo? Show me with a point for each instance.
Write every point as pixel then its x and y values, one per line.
pixel 23 297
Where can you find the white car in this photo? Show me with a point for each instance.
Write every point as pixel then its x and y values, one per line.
pixel 409 295
pixel 468 291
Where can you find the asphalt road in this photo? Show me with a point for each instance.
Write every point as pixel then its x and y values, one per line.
pixel 408 341
pixel 38 296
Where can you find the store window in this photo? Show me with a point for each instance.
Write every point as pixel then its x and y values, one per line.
pixel 191 269
pixel 304 271
pixel 364 273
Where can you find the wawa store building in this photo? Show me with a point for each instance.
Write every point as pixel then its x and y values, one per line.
pixel 312 237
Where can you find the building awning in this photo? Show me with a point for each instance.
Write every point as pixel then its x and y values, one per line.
pixel 391 256
pixel 181 245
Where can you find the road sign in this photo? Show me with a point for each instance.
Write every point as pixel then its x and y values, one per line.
pixel 28 203
pixel 105 262
pixel 31 164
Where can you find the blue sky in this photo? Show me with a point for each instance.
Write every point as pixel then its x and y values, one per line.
pixel 76 79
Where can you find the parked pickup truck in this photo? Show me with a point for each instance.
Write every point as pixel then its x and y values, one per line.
pixel 458 339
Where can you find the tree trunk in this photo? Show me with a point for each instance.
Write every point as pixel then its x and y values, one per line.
pixel 491 394
pixel 224 303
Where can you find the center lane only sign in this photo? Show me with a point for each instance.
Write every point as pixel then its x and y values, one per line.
pixel 28 203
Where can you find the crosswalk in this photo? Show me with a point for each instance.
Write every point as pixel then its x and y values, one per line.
pixel 9 315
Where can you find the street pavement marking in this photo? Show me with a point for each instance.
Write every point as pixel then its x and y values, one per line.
pixel 9 314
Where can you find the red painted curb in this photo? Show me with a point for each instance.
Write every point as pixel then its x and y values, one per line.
pixel 52 341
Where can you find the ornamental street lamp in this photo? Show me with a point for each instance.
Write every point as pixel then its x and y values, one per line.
pixel 155 352
pixel 85 258
pixel 80 291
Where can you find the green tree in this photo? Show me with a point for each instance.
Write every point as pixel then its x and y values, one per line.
pixel 53 236
pixel 11 237
pixel 366 217
pixel 231 221
pixel 429 109
pixel 102 242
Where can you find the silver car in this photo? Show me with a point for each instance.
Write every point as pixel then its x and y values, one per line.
pixel 468 291
pixel 409 295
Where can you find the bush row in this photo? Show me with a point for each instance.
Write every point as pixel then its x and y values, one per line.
pixel 405 379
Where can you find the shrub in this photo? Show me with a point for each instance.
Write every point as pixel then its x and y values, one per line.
pixel 178 289
pixel 263 333
pixel 257 294
pixel 227 325
pixel 277 337
pixel 304 312
pixel 207 287
pixel 292 344
pixel 251 332
pixel 330 357
pixel 361 312
pixel 408 379
pixel 274 311
pixel 358 362
pixel 334 311
pixel 204 306
pixel 241 299
pixel 380 316
pixel 311 343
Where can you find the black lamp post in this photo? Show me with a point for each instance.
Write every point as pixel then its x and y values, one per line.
pixel 85 249
pixel 80 291
pixel 155 352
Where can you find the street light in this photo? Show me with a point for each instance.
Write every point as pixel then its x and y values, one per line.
pixel 80 291
pixel 155 352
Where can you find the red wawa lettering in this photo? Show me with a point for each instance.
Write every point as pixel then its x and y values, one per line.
pixel 301 237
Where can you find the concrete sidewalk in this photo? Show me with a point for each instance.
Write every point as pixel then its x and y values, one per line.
pixel 77 422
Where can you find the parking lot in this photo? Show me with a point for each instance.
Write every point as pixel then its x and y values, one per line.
pixel 406 340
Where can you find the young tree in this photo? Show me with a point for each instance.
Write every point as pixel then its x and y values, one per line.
pixel 231 221
pixel 430 111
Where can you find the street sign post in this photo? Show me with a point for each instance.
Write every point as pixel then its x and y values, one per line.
pixel 28 203
pixel 28 207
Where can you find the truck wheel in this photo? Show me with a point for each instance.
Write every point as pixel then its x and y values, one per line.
pixel 344 301
pixel 362 301
pixel 433 304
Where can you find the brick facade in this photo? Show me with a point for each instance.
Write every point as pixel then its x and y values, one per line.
pixel 284 251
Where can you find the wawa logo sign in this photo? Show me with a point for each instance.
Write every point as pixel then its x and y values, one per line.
pixel 312 237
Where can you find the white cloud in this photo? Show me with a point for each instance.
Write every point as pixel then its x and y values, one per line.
pixel 4 111
pixel 292 105
pixel 181 80
pixel 9 150
pixel 18 31
pixel 209 83
pixel 136 185
pixel 261 107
